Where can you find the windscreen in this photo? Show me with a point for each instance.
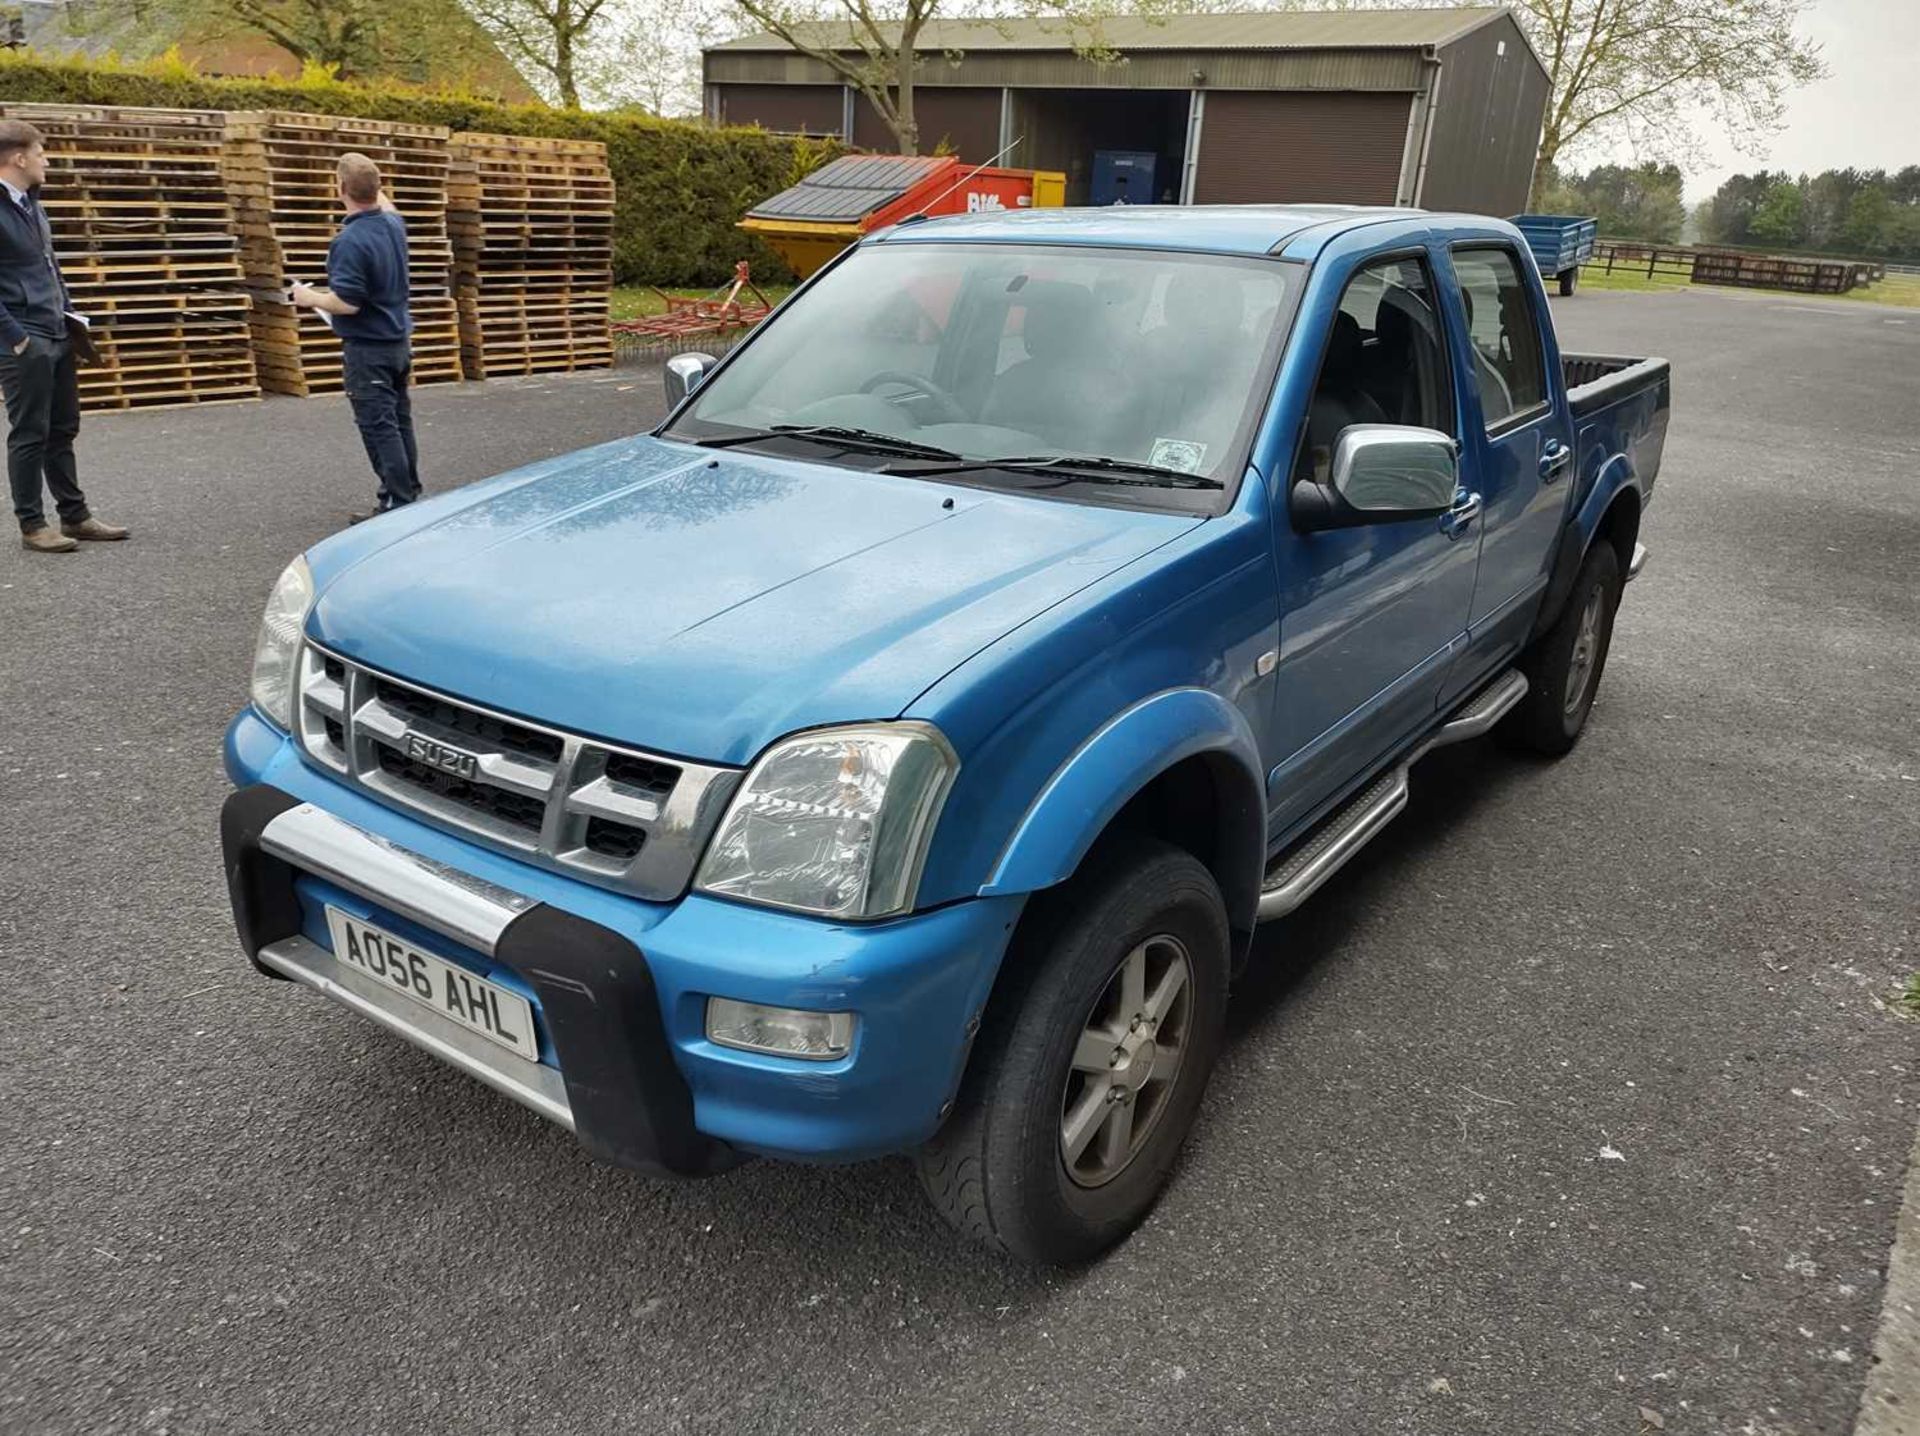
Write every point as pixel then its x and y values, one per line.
pixel 995 351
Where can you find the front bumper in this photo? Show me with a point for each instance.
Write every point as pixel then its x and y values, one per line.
pixel 619 986
pixel 617 1088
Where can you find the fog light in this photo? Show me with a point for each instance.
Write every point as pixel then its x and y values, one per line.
pixel 783 1031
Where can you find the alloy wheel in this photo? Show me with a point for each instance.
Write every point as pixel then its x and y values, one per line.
pixel 1126 1061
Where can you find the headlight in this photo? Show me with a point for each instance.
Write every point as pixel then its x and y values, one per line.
pixel 277 651
pixel 835 822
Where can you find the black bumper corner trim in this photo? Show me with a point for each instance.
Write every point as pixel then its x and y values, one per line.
pixel 265 909
pixel 631 1105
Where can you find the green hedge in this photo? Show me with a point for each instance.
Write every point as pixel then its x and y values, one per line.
pixel 680 186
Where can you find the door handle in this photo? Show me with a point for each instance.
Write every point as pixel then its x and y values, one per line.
pixel 1553 459
pixel 1456 520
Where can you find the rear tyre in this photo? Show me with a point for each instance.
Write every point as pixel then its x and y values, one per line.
pixel 1093 1060
pixel 1568 278
pixel 1564 665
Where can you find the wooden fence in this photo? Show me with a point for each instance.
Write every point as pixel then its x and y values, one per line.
pixel 1649 261
pixel 1803 274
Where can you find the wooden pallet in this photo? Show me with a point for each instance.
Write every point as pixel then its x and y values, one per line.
pixel 531 221
pixel 279 166
pixel 144 232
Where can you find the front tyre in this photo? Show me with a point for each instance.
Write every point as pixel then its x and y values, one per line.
pixel 1568 278
pixel 1093 1061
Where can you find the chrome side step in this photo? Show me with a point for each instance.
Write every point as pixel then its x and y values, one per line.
pixel 1327 848
pixel 1303 868
pixel 1478 714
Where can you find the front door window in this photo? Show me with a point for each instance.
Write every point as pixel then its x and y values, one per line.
pixel 1385 362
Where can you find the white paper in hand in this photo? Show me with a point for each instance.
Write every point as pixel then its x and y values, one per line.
pixel 325 318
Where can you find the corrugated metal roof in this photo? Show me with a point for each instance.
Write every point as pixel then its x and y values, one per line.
pixel 1256 30
pixel 1351 69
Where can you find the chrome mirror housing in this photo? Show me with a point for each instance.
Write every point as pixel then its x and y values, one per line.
pixel 684 373
pixel 1381 473
pixel 1394 469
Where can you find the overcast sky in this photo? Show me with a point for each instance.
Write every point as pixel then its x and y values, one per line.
pixel 1866 113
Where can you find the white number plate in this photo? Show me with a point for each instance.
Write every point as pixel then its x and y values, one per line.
pixel 503 1017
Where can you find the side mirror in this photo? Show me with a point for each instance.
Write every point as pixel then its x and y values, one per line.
pixel 683 375
pixel 1382 473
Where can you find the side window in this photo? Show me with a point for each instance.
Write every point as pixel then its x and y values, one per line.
pixel 1385 362
pixel 1507 362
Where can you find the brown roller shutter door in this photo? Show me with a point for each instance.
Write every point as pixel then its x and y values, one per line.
pixel 967 119
pixel 786 109
pixel 1292 148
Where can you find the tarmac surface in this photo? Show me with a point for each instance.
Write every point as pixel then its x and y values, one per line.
pixel 1576 1104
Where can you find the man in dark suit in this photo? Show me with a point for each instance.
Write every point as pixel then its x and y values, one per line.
pixel 39 334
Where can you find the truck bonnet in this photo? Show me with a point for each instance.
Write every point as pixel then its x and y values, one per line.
pixel 700 605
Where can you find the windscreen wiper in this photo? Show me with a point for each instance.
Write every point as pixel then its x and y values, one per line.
pixel 1094 468
pixel 869 440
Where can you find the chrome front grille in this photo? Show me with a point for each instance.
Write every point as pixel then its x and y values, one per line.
pixel 627 820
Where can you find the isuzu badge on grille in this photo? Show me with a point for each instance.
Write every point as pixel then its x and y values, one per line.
pixel 439 755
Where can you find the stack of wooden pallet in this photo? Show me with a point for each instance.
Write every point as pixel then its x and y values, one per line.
pixel 143 232
pixel 532 226
pixel 281 171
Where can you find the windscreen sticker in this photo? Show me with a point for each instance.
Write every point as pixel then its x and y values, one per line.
pixel 1183 456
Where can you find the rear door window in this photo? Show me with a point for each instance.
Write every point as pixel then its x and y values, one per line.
pixel 1509 368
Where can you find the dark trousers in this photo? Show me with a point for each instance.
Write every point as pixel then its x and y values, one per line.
pixel 376 376
pixel 43 415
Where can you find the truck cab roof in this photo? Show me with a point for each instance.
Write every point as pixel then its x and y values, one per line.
pixel 1301 229
pixel 1296 229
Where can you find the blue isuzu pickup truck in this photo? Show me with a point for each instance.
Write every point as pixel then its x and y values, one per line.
pixel 896 750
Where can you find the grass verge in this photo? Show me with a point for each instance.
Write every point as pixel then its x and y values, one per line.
pixel 1900 289
pixel 1593 277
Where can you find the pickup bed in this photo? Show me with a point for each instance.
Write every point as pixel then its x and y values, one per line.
pixel 896 749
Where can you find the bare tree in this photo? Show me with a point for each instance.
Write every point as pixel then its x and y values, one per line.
pixel 876 45
pixel 356 39
pixel 647 54
pixel 547 39
pixel 871 44
pixel 339 35
pixel 1638 67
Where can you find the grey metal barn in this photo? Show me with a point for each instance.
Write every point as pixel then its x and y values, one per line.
pixel 1439 107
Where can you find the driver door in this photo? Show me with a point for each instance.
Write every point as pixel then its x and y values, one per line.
pixel 1371 617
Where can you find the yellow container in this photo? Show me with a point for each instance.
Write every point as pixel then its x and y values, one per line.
pixel 1049 189
pixel 805 245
